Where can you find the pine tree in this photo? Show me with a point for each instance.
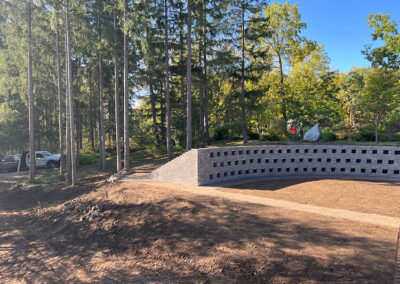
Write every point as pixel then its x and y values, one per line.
pixel 126 94
pixel 189 78
pixel 116 94
pixel 32 159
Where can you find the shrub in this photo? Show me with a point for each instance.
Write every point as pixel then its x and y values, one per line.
pixel 328 135
pixel 228 131
pixel 389 137
pixel 294 137
pixel 253 136
pixel 88 159
pixel 221 133
pixel 136 149
pixel 363 134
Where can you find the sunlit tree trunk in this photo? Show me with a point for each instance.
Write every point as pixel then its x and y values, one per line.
pixel 205 96
pixel 67 120
pixel 201 94
pixel 116 96
pixel 281 89
pixel 32 160
pixel 60 102
pixel 168 116
pixel 126 94
pixel 101 116
pixel 243 97
pixel 189 79
pixel 70 96
pixel 181 64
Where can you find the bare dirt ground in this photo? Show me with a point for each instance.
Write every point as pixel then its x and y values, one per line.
pixel 377 197
pixel 151 233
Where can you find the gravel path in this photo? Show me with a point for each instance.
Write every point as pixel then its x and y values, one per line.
pixel 374 219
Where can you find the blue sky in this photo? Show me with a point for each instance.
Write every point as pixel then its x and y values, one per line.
pixel 341 26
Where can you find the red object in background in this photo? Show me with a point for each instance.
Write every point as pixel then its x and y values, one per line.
pixel 293 130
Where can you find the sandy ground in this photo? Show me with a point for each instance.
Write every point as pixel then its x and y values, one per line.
pixel 153 233
pixel 376 197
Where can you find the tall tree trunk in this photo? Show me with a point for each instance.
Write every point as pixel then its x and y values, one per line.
pixel 376 132
pixel 116 95
pixel 82 122
pixel 281 90
pixel 101 116
pixel 154 113
pixel 163 113
pixel 70 95
pixel 189 79
pixel 168 115
pixel 78 132
pixel 67 120
pixel 243 98
pixel 181 64
pixel 32 160
pixel 126 95
pixel 91 122
pixel 205 97
pixel 102 135
pixel 201 95
pixel 60 102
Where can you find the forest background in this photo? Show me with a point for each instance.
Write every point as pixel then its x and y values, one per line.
pixel 169 75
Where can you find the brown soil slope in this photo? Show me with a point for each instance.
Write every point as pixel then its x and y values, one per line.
pixel 150 233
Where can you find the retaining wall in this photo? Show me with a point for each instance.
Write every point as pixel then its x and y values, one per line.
pixel 213 165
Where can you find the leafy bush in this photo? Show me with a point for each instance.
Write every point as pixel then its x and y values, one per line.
pixel 328 135
pixel 88 158
pixel 227 132
pixel 221 133
pixel 276 132
pixel 363 134
pixel 306 128
pixel 389 137
pixel 253 136
pixel 294 137
pixel 394 122
pixel 136 149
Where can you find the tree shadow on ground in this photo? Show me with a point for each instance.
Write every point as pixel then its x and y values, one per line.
pixel 183 241
pixel 44 196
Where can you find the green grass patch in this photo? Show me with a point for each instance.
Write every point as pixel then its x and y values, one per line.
pixel 89 166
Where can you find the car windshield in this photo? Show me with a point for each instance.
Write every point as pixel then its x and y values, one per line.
pixel 47 153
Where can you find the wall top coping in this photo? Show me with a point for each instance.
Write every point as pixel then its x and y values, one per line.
pixel 303 145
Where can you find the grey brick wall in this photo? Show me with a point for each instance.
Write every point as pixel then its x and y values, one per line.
pixel 183 169
pixel 213 165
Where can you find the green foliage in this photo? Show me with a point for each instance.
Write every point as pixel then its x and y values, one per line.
pixel 393 124
pixel 294 137
pixel 328 135
pixel 389 137
pixel 388 55
pixel 253 136
pixel 227 132
pixel 276 132
pixel 221 133
pixel 380 97
pixel 301 87
pixel 365 134
pixel 88 158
